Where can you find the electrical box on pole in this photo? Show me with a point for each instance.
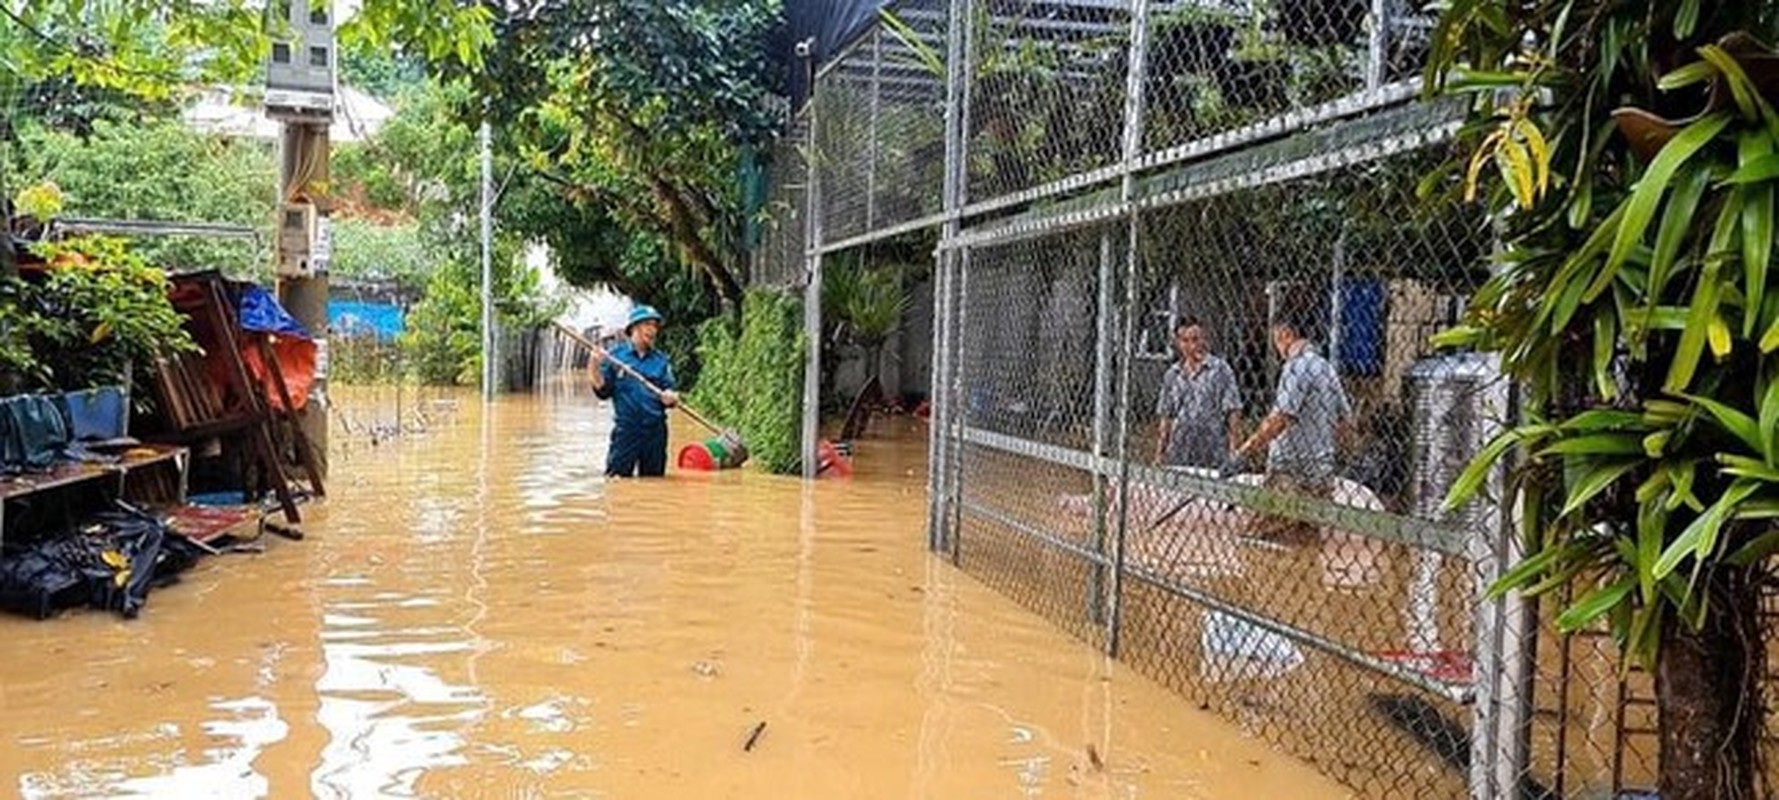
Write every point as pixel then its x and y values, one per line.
pixel 300 74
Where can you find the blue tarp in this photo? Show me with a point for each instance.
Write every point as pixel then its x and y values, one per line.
pixel 359 318
pixel 260 312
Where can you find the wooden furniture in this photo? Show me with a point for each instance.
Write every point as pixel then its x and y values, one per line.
pixel 143 474
pixel 210 395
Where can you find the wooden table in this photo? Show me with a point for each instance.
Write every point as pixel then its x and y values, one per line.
pixel 134 460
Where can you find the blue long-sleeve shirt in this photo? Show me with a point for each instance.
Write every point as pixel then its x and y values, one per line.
pixel 634 405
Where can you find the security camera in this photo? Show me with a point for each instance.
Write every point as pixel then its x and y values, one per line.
pixel 806 48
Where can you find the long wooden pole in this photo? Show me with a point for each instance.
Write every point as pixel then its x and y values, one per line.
pixel 583 341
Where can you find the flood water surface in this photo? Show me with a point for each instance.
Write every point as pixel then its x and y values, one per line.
pixel 477 613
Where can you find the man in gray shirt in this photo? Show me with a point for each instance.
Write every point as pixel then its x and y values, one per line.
pixel 1301 432
pixel 1200 406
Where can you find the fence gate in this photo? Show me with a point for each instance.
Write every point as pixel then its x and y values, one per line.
pixel 1129 175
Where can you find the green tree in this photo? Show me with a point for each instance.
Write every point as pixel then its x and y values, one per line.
pixel 645 110
pixel 422 173
pixel 158 48
pixel 157 170
pixel 1634 300
pixel 381 73
pixel 364 250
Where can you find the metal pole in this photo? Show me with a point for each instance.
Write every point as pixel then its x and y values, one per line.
pixel 1133 149
pixel 1336 298
pixel 1377 51
pixel 875 131
pixel 812 295
pixel 485 135
pixel 946 306
pixel 958 416
pixel 1103 355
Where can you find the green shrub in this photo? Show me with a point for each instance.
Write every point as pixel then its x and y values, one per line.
pixel 752 377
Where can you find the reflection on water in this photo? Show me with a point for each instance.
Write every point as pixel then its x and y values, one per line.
pixel 476 612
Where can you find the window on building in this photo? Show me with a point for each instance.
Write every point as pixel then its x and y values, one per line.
pixel 317 56
pixel 318 12
pixel 280 53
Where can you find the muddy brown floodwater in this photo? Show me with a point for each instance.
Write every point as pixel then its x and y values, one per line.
pixel 477 613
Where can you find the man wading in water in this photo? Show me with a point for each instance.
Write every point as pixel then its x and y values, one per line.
pixel 639 435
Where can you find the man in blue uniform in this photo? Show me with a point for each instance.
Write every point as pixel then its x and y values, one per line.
pixel 639 435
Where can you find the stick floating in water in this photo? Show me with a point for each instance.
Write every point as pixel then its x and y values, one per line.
pixel 754 737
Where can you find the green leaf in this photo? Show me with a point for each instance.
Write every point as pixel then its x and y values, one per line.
pixel 1568 302
pixel 906 35
pixel 1692 340
pixel 1581 557
pixel 1677 223
pixel 1560 306
pixel 1757 249
pixel 1733 420
pixel 1769 421
pixel 1769 341
pixel 1700 537
pixel 1528 569
pixel 1696 72
pixel 1652 523
pixel 1758 170
pixel 1660 318
pixel 1601 444
pixel 1757 550
pixel 1594 481
pixel 1683 474
pixel 1755 510
pixel 1605 345
pixel 1656 484
pixel 1743 90
pixel 1477 471
pixel 1641 205
pixel 1717 335
pixel 1686 20
pixel 1597 419
pixel 1745 467
pixel 1595 604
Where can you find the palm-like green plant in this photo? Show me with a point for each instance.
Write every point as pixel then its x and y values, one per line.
pixel 1634 301
pixel 865 306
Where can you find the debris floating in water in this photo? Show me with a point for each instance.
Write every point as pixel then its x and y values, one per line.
pixel 1093 757
pixel 754 737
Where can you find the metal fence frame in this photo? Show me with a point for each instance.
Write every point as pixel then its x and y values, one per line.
pixel 1381 117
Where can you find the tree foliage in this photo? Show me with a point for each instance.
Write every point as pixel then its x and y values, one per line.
pixel 156 170
pixel 367 251
pixel 157 48
pixel 407 202
pixel 95 310
pixel 1635 302
pixel 642 110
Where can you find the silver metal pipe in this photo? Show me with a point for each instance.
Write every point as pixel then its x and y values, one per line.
pixel 1133 149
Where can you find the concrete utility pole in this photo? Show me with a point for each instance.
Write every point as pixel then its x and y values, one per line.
pixel 300 96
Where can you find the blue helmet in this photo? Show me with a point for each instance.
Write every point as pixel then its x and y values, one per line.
pixel 642 314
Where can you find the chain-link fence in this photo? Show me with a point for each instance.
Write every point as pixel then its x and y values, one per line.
pixel 778 258
pixel 1169 230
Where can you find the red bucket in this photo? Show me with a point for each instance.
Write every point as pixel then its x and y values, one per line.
pixel 830 462
pixel 711 455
